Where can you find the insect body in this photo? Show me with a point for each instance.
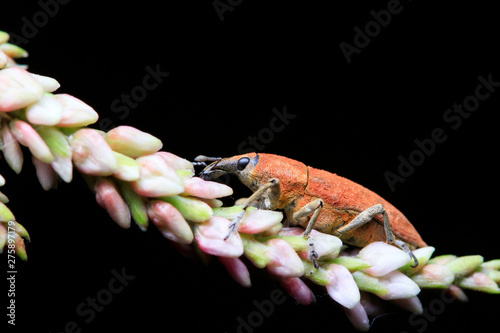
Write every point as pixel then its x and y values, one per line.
pixel 317 199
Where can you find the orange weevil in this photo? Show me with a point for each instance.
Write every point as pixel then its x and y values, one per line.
pixel 316 199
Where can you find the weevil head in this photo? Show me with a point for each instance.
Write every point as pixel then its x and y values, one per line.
pixel 242 166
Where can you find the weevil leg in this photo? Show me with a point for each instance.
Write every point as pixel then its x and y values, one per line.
pixel 366 216
pixel 314 207
pixel 273 183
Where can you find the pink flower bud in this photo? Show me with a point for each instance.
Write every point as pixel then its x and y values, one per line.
pixel 394 285
pixel 341 287
pixel 46 111
pixel 373 305
pixel 398 286
pixel 358 317
pixel 170 222
pixel 63 166
pixel 259 220
pixel 411 304
pixel 48 84
pixel 284 261
pixel 237 269
pixel 176 162
pixel 109 198
pixel 434 276
pixel 18 89
pixel 75 113
pixel 210 238
pixel 383 258
pixel 291 231
pixel 479 281
pixel 298 290
pixel 3 236
pixel 326 246
pixel 45 174
pixel 457 293
pixel 132 142
pixel 157 178
pixel 11 149
pixel 91 153
pixel 198 187
pixel 20 248
pixel 27 136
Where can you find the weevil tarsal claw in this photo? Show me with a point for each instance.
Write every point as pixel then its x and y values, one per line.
pixel 313 255
pixel 405 248
pixel 232 228
pixel 414 258
pixel 234 225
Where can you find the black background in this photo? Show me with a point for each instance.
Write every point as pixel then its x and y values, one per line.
pixel 225 79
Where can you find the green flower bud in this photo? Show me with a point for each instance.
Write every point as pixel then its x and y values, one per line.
pixel 369 283
pixel 4 37
pixel 442 259
pixel 136 204
pixel 255 251
pixel 128 168
pixel 316 275
pixel 463 266
pixel 491 265
pixel 55 139
pixel 191 208
pixel 13 51
pixel 351 263
pixel 5 214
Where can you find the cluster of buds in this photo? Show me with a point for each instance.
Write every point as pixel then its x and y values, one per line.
pixel 135 181
pixel 12 233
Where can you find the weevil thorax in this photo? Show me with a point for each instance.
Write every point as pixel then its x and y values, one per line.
pixel 292 174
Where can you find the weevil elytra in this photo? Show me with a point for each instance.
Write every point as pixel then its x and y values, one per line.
pixel 316 199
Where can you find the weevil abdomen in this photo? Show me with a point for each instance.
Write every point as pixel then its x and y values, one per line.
pixel 344 200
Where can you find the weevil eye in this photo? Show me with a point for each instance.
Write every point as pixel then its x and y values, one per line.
pixel 242 163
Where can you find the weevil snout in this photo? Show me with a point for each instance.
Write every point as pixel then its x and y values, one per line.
pixel 240 165
pixel 210 172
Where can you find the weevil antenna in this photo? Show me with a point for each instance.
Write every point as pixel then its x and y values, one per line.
pixel 203 158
